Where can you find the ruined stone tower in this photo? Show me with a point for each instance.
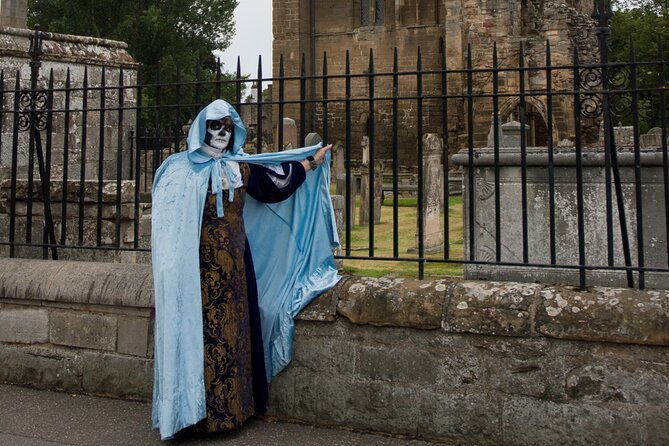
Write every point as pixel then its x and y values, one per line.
pixel 314 27
pixel 13 13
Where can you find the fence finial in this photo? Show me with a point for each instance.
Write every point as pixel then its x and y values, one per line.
pixel 602 15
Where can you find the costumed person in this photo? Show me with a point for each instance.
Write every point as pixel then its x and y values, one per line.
pixel 240 244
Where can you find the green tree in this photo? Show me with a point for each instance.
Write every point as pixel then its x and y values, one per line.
pixel 645 21
pixel 176 31
pixel 161 35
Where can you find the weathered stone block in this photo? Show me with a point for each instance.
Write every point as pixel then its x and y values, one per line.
pixel 539 196
pixel 332 354
pixel 282 395
pixel 472 417
pixel 396 302
pixel 323 308
pixel 384 407
pixel 614 375
pixel 116 375
pixel 490 308
pixel 519 366
pixel 72 210
pixel 87 330
pixel 397 365
pixel 133 336
pixel 43 367
pixel 77 282
pixel 530 421
pixel 604 314
pixel 23 324
pixel 657 424
pixel 321 397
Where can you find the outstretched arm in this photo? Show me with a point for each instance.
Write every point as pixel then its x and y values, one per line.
pixel 271 184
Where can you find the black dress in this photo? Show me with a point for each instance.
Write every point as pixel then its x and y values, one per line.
pixel 234 367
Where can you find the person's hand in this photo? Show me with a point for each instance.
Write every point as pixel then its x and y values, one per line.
pixel 319 158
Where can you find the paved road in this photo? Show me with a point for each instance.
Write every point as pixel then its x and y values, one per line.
pixel 31 417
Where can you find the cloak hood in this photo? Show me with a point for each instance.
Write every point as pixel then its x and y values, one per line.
pixel 218 109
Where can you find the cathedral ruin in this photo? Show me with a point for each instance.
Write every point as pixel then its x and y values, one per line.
pixel 306 30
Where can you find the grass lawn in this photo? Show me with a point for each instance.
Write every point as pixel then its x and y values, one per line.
pixel 383 243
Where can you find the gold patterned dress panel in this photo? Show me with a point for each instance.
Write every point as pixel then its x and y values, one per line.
pixel 225 312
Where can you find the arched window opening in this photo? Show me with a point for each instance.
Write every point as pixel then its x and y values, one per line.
pixel 379 12
pixel 372 12
pixel 364 12
pixel 524 17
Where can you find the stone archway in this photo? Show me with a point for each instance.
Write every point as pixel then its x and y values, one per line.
pixel 535 114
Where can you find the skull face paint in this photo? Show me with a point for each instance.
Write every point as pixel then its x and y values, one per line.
pixel 219 133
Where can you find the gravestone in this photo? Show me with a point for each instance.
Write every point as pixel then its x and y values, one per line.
pixel 368 191
pixel 652 139
pixel 312 139
pixel 338 204
pixel 491 133
pixel 78 54
pixel 433 192
pixel 510 134
pixel 624 135
pixel 339 167
pixel 289 134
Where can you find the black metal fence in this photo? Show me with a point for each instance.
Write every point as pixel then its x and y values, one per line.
pixel 90 150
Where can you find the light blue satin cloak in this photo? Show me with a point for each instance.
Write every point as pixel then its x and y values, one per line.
pixel 291 242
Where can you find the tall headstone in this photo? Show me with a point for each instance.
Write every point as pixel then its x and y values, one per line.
pixel 433 191
pixel 338 204
pixel 61 53
pixel 491 133
pixel 339 168
pixel 339 163
pixel 367 190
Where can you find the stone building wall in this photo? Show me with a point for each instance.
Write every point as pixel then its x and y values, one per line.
pixel 465 362
pixel 77 53
pixel 436 26
pixel 13 13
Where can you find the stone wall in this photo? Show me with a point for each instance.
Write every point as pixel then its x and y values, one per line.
pixel 77 327
pixel 466 362
pixel 438 27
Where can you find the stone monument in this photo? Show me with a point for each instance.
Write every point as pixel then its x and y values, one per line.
pixel 433 193
pixel 367 190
